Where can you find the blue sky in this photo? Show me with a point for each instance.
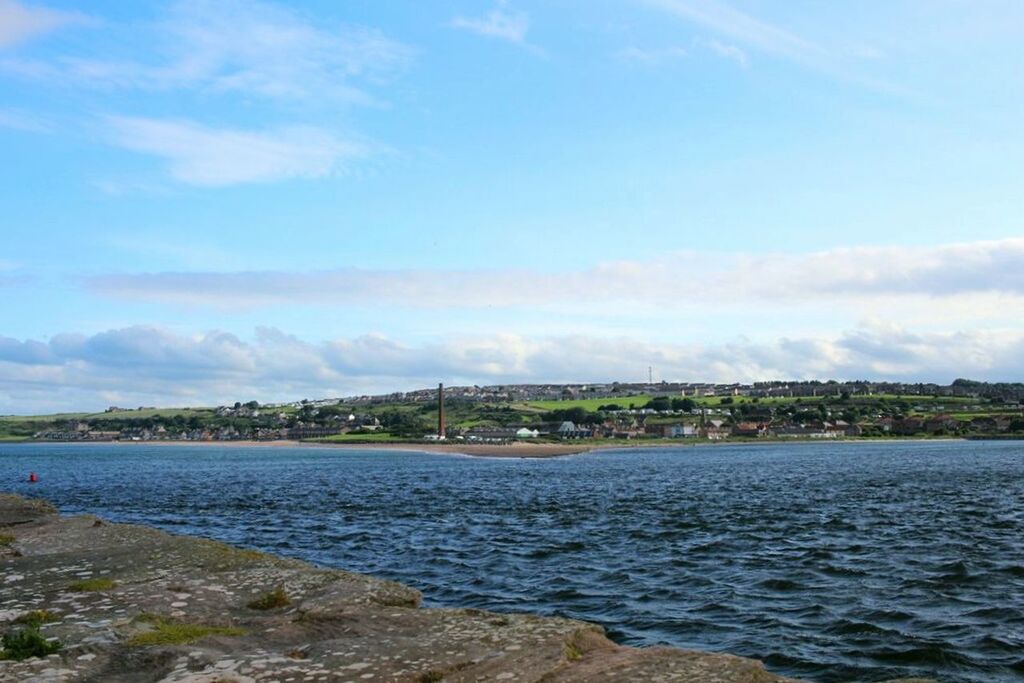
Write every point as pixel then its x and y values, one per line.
pixel 210 201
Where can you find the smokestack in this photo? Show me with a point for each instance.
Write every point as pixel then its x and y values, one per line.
pixel 440 411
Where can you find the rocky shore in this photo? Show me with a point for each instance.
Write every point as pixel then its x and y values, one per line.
pixel 96 601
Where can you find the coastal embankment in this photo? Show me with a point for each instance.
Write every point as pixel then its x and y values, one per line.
pixel 86 600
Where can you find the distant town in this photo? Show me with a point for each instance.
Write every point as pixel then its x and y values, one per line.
pixel 595 412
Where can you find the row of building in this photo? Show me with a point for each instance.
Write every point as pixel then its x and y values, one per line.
pixel 499 393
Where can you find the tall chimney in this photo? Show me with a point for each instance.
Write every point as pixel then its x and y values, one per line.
pixel 440 411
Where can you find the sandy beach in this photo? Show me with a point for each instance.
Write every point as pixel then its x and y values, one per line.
pixel 512 450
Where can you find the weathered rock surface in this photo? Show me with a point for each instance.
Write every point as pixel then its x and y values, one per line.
pixel 337 626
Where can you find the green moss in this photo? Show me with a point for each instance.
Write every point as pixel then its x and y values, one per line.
pixel 573 652
pixel 222 557
pixel 431 677
pixel 92 585
pixel 22 644
pixel 167 632
pixel 6 539
pixel 272 600
pixel 36 618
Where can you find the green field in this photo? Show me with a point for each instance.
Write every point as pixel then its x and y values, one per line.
pixel 154 412
pixel 42 418
pixel 639 400
pixel 588 404
pixel 369 437
pixel 117 414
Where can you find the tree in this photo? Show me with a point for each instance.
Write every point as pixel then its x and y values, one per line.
pixel 659 403
pixel 402 423
pixel 685 404
pixel 576 415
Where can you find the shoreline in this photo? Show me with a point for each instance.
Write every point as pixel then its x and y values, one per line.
pixel 516 450
pixel 126 602
pixel 512 450
pixel 169 607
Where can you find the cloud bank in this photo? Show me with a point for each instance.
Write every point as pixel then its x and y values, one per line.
pixel 201 155
pixel 684 280
pixel 20 22
pixel 154 366
pixel 499 23
pixel 241 47
pixel 273 62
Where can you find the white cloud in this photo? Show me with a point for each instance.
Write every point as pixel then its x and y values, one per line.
pixel 24 121
pixel 20 22
pixel 499 23
pixel 728 52
pixel 201 155
pixel 979 274
pixel 242 46
pixel 651 57
pixel 254 50
pixel 748 33
pixel 12 274
pixel 146 365
pixel 728 21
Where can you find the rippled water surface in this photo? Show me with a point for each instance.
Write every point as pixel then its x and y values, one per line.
pixel 827 561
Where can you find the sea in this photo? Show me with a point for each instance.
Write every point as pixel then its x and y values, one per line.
pixel 841 561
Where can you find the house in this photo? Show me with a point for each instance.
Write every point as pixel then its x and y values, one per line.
pixel 570 430
pixel 715 430
pixel 750 429
pixel 677 431
pixel 491 434
pixel 908 426
pixel 525 433
pixel 804 432
pixel 311 432
pixel 680 432
pixel 837 429
pixel 941 424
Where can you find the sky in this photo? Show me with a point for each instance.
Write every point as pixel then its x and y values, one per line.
pixel 204 201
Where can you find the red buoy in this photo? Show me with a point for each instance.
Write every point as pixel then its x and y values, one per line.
pixel 33 478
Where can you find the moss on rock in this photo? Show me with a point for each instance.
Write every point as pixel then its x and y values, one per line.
pixel 25 643
pixel 164 631
pixel 92 585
